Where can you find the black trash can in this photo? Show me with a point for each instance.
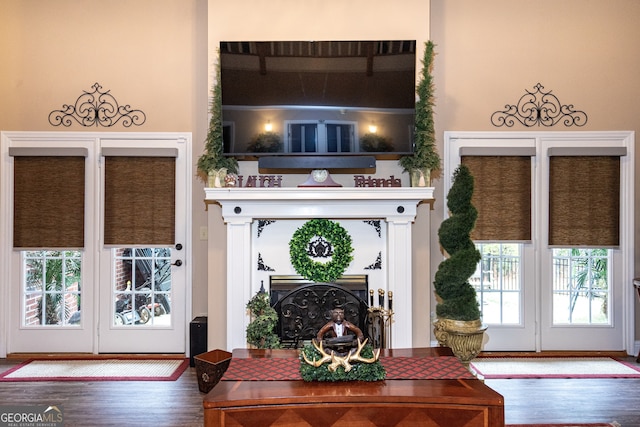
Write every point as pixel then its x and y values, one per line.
pixel 197 338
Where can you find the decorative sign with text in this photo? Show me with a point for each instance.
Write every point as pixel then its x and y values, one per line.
pixel 361 181
pixel 259 181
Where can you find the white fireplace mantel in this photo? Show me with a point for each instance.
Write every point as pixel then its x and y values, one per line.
pixel 241 206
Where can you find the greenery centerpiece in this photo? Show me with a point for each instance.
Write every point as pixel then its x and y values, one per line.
pixel 356 372
pixel 458 324
pixel 261 329
pixel 425 157
pixel 213 163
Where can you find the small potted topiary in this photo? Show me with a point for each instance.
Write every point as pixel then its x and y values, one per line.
pixel 261 329
pixel 458 323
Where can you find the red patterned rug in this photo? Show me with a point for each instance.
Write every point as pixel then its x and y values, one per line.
pixel 398 368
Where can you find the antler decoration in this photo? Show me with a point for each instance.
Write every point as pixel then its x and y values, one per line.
pixel 345 361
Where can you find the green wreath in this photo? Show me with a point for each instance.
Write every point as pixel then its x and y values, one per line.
pixel 318 271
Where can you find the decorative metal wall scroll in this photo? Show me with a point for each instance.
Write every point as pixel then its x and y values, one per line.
pixel 97 108
pixel 538 108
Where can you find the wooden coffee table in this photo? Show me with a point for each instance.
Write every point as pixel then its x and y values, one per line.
pixel 445 403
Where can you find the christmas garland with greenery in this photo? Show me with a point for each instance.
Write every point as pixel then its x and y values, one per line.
pixel 425 154
pixel 359 371
pixel 213 157
pixel 314 270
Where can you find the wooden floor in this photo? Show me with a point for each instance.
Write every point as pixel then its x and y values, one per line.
pixel 179 403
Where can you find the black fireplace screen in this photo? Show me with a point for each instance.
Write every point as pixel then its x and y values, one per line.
pixel 303 310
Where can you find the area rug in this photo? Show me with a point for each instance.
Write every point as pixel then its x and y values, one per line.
pixel 553 367
pixel 97 370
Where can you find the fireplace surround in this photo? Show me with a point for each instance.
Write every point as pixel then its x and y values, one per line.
pixel 397 206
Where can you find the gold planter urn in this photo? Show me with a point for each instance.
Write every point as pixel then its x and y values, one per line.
pixel 464 338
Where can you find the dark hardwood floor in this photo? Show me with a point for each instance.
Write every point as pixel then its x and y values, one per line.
pixel 179 403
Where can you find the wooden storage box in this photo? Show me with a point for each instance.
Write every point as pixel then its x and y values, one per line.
pixel 210 367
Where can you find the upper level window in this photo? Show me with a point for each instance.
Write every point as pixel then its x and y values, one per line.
pixel 320 137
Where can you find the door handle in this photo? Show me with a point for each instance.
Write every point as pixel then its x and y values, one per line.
pixel 178 263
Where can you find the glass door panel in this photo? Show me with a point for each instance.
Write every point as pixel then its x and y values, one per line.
pixel 51 288
pixel 502 287
pixel 581 286
pixel 142 286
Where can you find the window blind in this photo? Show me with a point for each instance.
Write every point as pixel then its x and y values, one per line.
pixel 139 205
pixel 48 198
pixel 584 200
pixel 502 194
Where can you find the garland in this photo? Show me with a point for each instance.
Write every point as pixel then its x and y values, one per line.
pixel 318 271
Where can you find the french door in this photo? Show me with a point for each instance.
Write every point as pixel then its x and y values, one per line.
pixel 535 295
pixel 98 297
pixel 143 287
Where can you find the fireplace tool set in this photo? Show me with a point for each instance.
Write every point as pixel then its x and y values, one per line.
pixel 380 319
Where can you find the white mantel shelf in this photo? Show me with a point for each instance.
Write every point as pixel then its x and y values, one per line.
pixel 390 203
pixel 320 193
pixel 241 206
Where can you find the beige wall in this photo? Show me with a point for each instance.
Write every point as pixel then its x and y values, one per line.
pixel 320 20
pixel 151 54
pixel 154 55
pixel 489 52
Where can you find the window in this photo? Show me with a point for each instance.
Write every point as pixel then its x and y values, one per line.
pixel 581 286
pixel 320 137
pixel 52 290
pixel 498 283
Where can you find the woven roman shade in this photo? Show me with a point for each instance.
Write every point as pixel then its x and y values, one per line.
pixel 139 205
pixel 49 199
pixel 584 200
pixel 502 196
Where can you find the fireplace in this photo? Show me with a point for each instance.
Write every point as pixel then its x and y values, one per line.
pixel 303 307
pixel 240 207
pixel 280 285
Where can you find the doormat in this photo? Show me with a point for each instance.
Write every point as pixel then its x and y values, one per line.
pixel 553 367
pixel 97 370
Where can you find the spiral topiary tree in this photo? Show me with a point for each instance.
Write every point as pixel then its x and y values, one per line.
pixel 457 298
